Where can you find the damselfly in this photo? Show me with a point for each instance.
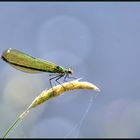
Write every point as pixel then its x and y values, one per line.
pixel 29 64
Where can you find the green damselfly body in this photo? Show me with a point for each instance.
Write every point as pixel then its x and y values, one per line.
pixel 29 64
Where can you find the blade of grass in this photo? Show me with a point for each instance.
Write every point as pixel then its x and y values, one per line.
pixel 48 94
pixel 15 123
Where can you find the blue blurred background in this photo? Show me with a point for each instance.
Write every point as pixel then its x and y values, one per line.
pixel 100 41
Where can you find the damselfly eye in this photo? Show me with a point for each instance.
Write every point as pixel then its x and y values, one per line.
pixel 70 71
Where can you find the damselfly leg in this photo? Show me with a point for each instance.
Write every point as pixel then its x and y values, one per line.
pixel 57 77
pixel 67 76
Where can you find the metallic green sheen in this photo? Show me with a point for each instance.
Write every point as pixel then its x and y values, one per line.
pixel 29 64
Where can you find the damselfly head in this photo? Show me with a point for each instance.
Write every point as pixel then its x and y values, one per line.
pixel 70 71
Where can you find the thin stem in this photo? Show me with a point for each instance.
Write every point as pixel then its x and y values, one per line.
pixel 14 124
